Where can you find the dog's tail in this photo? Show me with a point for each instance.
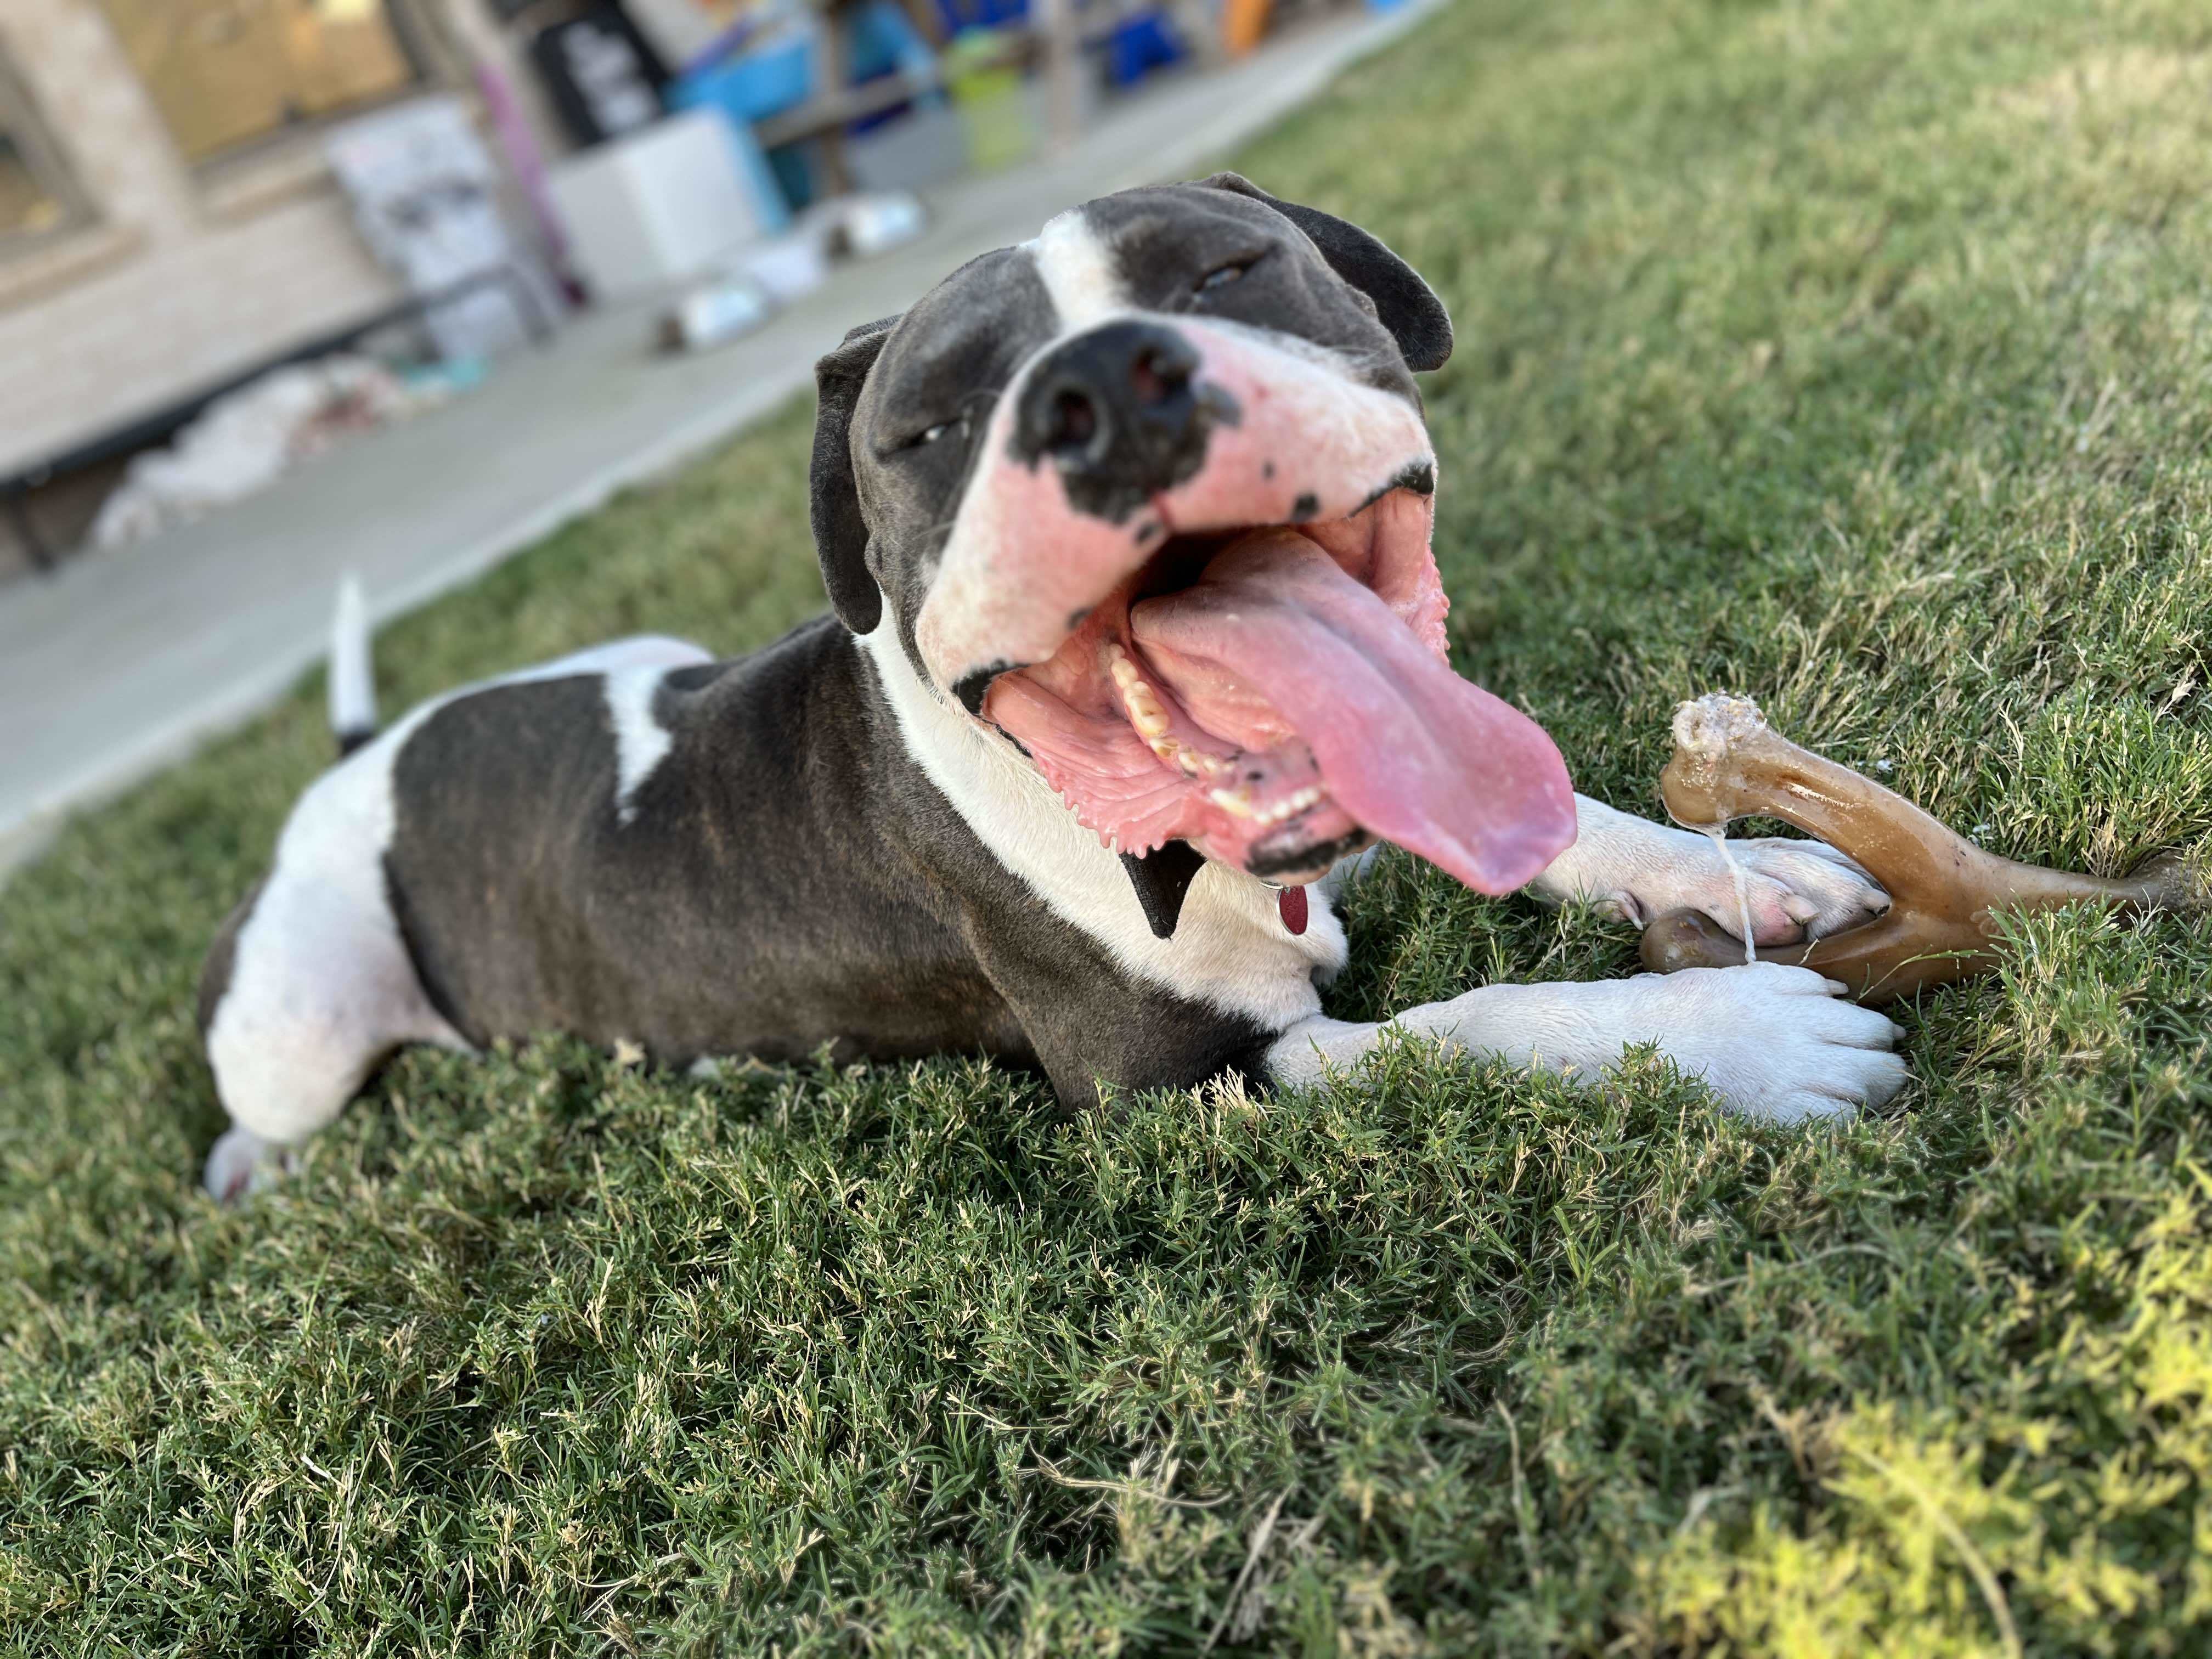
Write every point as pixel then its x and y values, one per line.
pixel 353 677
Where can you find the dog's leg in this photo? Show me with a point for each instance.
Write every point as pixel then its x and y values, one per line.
pixel 1770 1040
pixel 241 1162
pixel 318 997
pixel 1643 870
pixel 314 988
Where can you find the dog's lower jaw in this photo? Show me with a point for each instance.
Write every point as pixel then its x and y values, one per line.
pixel 1307 862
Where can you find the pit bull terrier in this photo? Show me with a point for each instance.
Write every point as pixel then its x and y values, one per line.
pixel 1138 648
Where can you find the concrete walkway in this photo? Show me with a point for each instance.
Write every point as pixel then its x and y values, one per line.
pixel 122 661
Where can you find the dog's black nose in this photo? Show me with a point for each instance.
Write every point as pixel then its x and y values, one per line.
pixel 1115 411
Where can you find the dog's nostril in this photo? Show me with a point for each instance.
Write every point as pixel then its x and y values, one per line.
pixel 1117 401
pixel 1158 374
pixel 1075 420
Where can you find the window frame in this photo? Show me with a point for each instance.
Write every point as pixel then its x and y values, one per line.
pixel 425 38
pixel 39 145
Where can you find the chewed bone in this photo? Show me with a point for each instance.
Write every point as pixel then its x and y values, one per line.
pixel 1729 763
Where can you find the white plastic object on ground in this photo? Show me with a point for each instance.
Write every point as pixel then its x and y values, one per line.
pixel 246 440
pixel 715 312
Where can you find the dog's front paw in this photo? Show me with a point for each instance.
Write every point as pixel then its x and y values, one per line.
pixel 1775 1042
pixel 1796 890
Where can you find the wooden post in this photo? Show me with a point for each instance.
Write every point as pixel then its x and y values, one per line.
pixel 1063 68
pixel 830 72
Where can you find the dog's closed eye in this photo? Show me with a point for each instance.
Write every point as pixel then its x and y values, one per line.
pixel 974 414
pixel 1222 274
pixel 930 435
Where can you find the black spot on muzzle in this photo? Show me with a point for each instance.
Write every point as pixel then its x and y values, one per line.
pixel 1116 411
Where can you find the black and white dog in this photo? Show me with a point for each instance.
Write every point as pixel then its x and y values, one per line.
pixel 1139 642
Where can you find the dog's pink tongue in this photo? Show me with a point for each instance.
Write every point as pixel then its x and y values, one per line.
pixel 1413 752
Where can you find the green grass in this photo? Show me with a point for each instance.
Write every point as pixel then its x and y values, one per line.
pixel 1856 356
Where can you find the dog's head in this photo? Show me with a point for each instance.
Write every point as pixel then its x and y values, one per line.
pixel 1152 497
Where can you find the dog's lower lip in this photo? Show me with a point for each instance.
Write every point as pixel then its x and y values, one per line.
pixel 1275 860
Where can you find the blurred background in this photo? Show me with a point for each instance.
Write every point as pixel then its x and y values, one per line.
pixel 289 288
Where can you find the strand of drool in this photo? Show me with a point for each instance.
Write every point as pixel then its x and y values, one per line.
pixel 1717 834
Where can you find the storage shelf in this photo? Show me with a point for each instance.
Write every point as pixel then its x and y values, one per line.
pixel 834 110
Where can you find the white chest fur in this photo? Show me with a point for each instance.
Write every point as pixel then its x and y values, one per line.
pixel 1230 950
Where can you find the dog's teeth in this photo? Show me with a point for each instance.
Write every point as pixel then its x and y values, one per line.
pixel 1143 704
pixel 1238 802
pixel 1154 722
pixel 1145 711
pixel 1289 806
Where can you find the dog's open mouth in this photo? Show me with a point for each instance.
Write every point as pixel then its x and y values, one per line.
pixel 1277 695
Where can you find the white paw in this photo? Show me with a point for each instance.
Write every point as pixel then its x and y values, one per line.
pixel 242 1163
pixel 1797 888
pixel 1778 1042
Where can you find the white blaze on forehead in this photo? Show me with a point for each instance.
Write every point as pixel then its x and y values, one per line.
pixel 1077 268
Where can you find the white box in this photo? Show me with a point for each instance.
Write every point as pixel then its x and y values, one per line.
pixel 656 206
pixel 790 267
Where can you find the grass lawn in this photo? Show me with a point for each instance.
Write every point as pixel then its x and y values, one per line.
pixel 1858 357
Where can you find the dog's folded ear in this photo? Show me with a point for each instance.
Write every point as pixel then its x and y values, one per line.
pixel 840 534
pixel 1405 305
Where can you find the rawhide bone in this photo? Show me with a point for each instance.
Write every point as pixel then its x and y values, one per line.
pixel 1729 763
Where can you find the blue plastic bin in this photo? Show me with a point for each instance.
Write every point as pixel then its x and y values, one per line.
pixel 1144 43
pixel 711 89
pixel 752 85
pixel 961 15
